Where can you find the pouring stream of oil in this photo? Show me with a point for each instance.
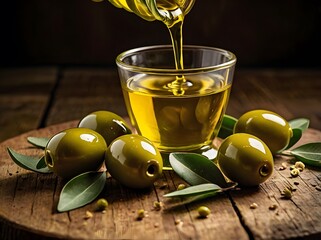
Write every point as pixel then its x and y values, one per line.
pixel 172 13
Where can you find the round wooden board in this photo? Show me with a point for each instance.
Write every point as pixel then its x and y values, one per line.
pixel 28 200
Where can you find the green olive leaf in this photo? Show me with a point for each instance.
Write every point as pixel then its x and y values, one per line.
pixel 42 163
pixel 199 197
pixel 30 163
pixel 40 142
pixel 197 193
pixel 227 126
pixel 195 190
pixel 298 126
pixel 190 199
pixel 196 169
pixel 81 190
pixel 297 134
pixel 300 123
pixel 309 153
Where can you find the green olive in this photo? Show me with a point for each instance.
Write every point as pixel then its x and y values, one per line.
pixel 245 159
pixel 203 211
pixel 101 204
pixel 134 161
pixel 271 128
pixel 75 151
pixel 108 124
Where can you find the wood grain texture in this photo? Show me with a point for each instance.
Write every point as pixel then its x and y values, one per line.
pixel 81 91
pixel 290 93
pixel 24 95
pixel 31 201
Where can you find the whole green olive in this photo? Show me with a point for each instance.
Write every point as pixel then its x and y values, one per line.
pixel 270 127
pixel 134 161
pixel 203 211
pixel 108 124
pixel 245 159
pixel 75 151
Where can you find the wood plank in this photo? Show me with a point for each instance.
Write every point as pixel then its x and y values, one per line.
pixel 290 93
pixel 81 91
pixel 28 197
pixel 24 95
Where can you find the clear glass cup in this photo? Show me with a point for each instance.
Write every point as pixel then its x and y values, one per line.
pixel 178 110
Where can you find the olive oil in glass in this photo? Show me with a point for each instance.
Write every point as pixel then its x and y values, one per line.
pixel 177 122
pixel 177 105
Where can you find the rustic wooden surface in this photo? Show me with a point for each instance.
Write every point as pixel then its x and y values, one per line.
pixel 42 101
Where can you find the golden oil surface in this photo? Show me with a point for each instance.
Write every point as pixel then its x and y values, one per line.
pixel 177 122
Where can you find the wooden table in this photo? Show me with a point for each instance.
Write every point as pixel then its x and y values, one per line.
pixel 48 99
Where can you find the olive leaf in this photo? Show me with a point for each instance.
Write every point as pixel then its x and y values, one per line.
pixel 42 163
pixel 195 190
pixel 227 126
pixel 40 142
pixel 298 126
pixel 193 198
pixel 197 193
pixel 309 153
pixel 300 123
pixel 81 190
pixel 297 134
pixel 30 163
pixel 199 197
pixel 196 169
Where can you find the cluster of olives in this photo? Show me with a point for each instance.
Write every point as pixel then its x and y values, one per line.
pixel 246 156
pixel 101 137
pixel 104 137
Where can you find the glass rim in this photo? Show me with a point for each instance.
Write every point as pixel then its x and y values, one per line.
pixel 230 62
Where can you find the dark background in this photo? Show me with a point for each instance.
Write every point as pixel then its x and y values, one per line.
pixel 274 33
